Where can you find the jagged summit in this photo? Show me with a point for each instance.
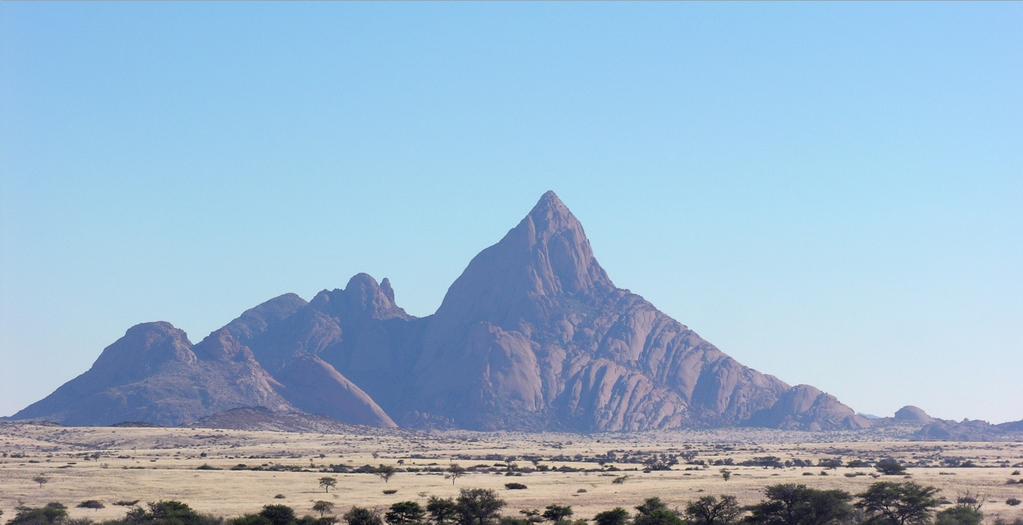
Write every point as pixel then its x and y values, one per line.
pixel 546 254
pixel 361 297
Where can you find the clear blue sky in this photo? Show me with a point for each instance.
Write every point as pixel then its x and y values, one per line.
pixel 830 193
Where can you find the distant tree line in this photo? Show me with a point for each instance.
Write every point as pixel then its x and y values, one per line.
pixel 882 503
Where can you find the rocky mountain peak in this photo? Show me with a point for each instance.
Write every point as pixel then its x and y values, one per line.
pixel 546 254
pixel 145 347
pixel 363 297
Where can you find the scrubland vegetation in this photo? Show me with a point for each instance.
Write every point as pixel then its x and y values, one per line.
pixel 139 475
pixel 883 503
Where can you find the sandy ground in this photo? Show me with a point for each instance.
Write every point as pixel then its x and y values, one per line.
pixel 148 464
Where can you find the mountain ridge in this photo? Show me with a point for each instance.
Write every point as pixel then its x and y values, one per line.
pixel 533 335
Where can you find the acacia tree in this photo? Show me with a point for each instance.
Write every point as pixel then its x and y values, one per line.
pixel 323 507
pixel 899 503
pixel 405 513
pixel 362 516
pixel 41 480
pixel 710 510
pixel 653 511
pixel 385 472
pixel 327 483
pixel 478 506
pixel 557 513
pixel 455 471
pixel 791 504
pixel 443 511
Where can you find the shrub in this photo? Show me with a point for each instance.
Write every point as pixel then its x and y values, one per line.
pixel 390 491
pixel 49 514
pixel 249 519
pixel 1012 502
pixel 278 514
pixel 167 512
pixel 615 516
pixel 557 513
pixel 959 515
pixel 362 516
pixel 91 504
pixel 653 511
pixel 514 486
pixel 890 467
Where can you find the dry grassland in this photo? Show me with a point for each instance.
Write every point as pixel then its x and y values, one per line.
pixel 148 464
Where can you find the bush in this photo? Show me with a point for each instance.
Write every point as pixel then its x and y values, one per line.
pixel 615 516
pixel 1012 502
pixel 890 467
pixel 390 491
pixel 557 513
pixel 91 504
pixel 653 511
pixel 959 515
pixel 278 514
pixel 362 516
pixel 169 512
pixel 50 514
pixel 515 486
pixel 249 519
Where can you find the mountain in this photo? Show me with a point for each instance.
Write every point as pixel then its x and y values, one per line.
pixel 153 374
pixel 969 430
pixel 533 335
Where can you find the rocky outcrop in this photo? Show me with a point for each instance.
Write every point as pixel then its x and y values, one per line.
pixel 912 415
pixel 806 408
pixel 533 335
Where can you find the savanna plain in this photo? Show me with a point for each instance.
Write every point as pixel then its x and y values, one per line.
pixel 234 472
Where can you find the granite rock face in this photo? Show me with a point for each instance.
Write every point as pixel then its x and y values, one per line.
pixel 533 335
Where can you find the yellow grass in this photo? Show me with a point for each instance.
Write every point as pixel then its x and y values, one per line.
pixel 149 464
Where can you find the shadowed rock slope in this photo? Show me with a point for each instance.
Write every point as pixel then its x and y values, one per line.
pixel 533 335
